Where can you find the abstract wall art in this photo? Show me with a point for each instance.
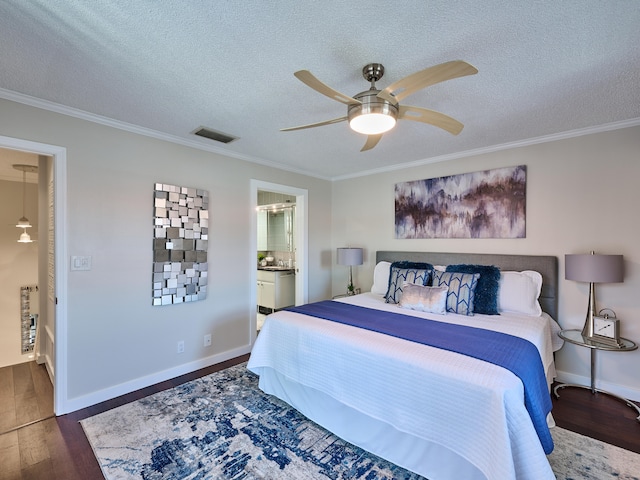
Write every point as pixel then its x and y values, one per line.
pixel 486 204
pixel 180 244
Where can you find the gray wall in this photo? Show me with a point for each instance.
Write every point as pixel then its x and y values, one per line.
pixel 116 340
pixel 582 195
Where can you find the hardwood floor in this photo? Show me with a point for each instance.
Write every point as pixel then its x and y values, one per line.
pixel 57 449
pixel 597 416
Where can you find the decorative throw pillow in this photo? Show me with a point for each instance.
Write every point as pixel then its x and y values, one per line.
pixel 410 272
pixel 461 290
pixel 424 298
pixel 519 292
pixel 381 278
pixel 486 295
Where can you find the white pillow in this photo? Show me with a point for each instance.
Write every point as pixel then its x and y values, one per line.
pixel 381 278
pixel 519 292
pixel 424 299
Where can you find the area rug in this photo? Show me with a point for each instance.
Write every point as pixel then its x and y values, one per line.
pixel 223 427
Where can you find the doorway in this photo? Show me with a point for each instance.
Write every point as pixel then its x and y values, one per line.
pixel 51 251
pixel 300 226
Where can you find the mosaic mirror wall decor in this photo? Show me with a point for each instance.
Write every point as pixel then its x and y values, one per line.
pixel 180 244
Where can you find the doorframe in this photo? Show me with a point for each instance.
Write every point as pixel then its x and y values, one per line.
pixel 59 155
pixel 301 242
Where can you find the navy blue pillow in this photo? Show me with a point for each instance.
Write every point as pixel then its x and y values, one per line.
pixel 407 264
pixel 413 272
pixel 486 299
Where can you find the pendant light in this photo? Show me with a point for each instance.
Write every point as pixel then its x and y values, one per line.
pixel 23 222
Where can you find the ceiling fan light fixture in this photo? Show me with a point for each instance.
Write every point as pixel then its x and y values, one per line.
pixel 374 116
pixel 372 123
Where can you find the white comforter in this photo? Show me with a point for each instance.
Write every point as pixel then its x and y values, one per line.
pixel 461 415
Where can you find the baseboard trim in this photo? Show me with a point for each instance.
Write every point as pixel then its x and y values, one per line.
pixel 78 403
pixel 620 390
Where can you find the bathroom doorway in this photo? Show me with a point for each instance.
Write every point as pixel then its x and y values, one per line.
pixel 291 235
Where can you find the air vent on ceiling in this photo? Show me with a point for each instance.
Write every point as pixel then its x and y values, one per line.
pixel 214 135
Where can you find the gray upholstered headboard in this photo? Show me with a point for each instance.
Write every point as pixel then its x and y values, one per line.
pixel 546 265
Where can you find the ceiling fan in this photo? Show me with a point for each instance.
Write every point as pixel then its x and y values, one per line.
pixel 374 112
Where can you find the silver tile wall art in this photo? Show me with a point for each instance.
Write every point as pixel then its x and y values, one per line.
pixel 180 243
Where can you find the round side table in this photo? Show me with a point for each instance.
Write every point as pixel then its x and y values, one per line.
pixel 576 337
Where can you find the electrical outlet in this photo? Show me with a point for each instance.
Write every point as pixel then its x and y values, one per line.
pixel 207 340
pixel 180 346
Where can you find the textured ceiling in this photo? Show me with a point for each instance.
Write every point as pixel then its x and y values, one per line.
pixel 545 67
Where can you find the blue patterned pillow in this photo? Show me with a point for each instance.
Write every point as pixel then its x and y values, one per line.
pixel 486 295
pixel 419 273
pixel 462 287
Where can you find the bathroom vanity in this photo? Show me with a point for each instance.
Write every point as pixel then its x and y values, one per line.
pixel 276 287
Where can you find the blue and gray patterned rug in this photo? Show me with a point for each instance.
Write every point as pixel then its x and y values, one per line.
pixel 223 427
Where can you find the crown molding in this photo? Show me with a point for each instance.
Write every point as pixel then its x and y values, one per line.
pixel 147 132
pixel 633 122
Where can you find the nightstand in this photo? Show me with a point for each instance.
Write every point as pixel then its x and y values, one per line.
pixel 576 337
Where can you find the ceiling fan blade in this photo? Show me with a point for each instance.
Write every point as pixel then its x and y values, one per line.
pixel 311 125
pixel 425 78
pixel 372 141
pixel 431 117
pixel 306 77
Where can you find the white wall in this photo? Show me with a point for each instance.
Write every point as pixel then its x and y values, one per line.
pixel 582 195
pixel 18 265
pixel 117 341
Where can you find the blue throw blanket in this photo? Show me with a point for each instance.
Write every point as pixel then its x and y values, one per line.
pixel 513 353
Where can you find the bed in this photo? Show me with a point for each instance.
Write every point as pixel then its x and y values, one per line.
pixel 439 413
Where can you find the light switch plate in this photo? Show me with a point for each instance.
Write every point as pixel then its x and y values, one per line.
pixel 80 263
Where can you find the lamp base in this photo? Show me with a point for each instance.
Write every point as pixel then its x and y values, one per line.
pixel 587 330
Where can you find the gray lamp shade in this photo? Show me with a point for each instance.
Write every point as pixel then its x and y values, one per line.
pixel 592 268
pixel 349 256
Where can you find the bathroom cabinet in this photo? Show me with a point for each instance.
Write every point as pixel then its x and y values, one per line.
pixel 276 289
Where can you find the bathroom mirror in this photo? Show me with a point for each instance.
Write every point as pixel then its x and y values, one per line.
pixel 29 300
pixel 280 230
pixel 275 229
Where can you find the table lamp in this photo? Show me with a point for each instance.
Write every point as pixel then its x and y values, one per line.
pixel 591 269
pixel 350 257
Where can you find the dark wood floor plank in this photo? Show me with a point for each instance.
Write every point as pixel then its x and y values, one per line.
pixel 22 380
pixel 33 445
pixel 39 471
pixel 43 388
pixel 71 454
pixel 9 456
pixel 6 382
pixel 7 399
pixel 27 409
pixel 8 414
